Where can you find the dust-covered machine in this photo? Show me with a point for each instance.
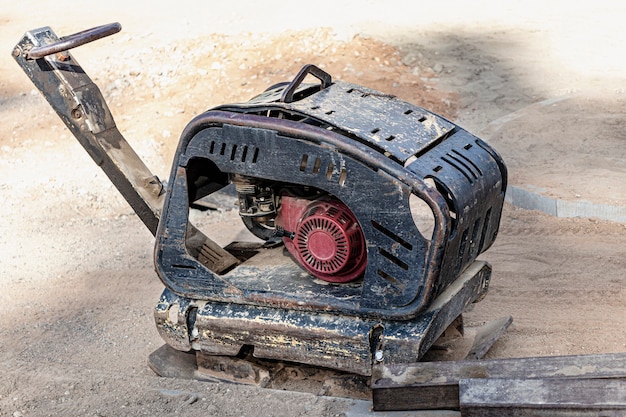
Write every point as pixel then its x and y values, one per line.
pixel 369 211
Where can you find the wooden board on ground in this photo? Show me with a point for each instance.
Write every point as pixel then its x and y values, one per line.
pixel 435 385
pixel 550 397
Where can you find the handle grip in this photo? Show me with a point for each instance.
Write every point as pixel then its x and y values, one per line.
pixel 74 40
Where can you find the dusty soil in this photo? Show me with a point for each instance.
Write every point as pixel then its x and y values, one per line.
pixel 76 273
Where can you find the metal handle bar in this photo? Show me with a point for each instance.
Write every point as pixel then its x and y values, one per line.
pixel 323 76
pixel 74 40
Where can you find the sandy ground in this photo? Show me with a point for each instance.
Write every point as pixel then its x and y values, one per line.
pixel 76 273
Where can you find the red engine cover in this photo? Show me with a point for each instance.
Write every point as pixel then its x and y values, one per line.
pixel 326 238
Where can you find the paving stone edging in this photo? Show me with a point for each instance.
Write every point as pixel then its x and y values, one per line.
pixel 529 200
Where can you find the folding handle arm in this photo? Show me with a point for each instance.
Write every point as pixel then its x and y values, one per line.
pixel 80 105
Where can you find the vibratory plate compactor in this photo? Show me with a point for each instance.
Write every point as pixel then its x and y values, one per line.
pixel 370 214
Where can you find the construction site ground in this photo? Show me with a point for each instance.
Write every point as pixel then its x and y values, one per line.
pixel 543 84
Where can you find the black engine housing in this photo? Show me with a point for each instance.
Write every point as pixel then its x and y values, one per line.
pixel 373 152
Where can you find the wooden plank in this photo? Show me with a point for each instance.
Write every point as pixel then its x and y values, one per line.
pixel 553 397
pixel 434 385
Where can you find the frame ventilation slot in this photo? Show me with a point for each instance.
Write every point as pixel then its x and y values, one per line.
pixel 390 279
pixel 303 162
pixel 316 166
pixel 394 259
pixel 459 166
pixel 485 229
pixel 474 241
pixel 329 171
pixel 248 153
pixel 463 248
pixel 317 169
pixel 382 229
pixel 474 167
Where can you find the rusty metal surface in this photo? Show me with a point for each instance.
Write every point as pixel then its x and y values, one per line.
pixel 334 341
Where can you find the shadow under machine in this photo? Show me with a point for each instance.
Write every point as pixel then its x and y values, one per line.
pixel 370 213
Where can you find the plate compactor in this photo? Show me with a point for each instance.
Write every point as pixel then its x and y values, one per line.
pixel 368 213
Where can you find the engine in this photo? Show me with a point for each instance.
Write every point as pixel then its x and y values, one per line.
pixel 318 230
